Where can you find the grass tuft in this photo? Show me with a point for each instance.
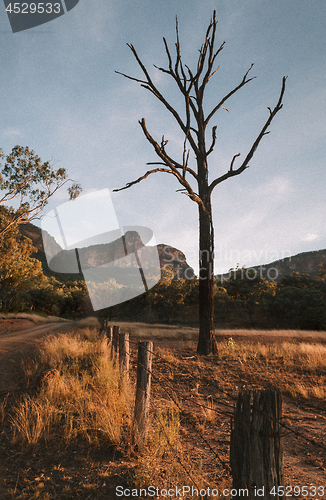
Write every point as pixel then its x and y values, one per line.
pixel 81 394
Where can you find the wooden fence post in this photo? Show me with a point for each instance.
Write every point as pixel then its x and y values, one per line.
pixel 143 390
pixel 256 451
pixel 124 354
pixel 109 333
pixel 109 336
pixel 115 339
pixel 103 324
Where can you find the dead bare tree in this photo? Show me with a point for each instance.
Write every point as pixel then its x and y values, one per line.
pixel 192 85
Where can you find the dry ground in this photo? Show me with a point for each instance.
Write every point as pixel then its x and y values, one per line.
pixel 204 389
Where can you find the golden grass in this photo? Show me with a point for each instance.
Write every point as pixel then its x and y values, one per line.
pixel 309 357
pixel 292 357
pixel 177 332
pixel 166 462
pixel 149 331
pixel 89 322
pixel 32 420
pixel 81 395
pixel 166 430
pixel 304 390
pixel 303 365
pixel 166 355
pixel 272 333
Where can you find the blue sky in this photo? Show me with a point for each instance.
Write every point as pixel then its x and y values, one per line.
pixel 60 96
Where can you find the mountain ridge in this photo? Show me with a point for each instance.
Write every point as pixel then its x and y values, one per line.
pixel 96 255
pixel 303 262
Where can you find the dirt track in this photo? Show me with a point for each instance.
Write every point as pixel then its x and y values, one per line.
pixel 14 347
pixel 17 344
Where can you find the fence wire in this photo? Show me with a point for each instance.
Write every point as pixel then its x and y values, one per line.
pixel 298 434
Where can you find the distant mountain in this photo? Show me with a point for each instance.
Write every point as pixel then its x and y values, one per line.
pixel 306 262
pixel 96 255
pixel 303 263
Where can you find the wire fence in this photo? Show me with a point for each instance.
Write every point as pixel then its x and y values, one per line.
pixel 187 406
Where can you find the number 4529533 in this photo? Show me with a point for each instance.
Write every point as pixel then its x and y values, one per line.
pixel 33 8
pixel 295 491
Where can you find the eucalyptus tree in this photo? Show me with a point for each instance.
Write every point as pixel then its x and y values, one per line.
pixel 28 182
pixel 199 139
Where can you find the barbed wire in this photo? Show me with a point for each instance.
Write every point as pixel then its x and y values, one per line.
pixel 176 455
pixel 282 424
pixel 181 409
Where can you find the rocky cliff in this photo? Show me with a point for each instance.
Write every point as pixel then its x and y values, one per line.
pixel 96 255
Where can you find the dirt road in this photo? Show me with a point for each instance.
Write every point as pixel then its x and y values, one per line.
pixel 15 346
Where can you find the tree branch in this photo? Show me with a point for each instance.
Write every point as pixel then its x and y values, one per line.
pixel 225 98
pixel 244 165
pixel 173 162
pixel 213 140
pixel 212 56
pixel 149 172
pixel 149 85
pixel 159 150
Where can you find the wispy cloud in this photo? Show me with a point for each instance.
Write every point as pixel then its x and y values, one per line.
pixel 11 133
pixel 310 237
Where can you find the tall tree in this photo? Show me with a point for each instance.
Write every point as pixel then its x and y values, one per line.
pixel 18 270
pixel 192 85
pixel 29 181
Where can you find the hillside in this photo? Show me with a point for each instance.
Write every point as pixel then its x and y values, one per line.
pixel 95 255
pixel 302 263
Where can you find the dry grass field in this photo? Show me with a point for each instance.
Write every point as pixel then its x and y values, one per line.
pixel 69 433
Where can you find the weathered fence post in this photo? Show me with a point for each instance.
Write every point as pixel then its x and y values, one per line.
pixel 143 390
pixel 109 341
pixel 109 333
pixel 256 452
pixel 115 339
pixel 103 324
pixel 124 354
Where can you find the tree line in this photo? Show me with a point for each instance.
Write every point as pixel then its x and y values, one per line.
pixel 247 298
pixel 297 301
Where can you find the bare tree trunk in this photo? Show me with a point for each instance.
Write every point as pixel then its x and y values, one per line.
pixel 206 340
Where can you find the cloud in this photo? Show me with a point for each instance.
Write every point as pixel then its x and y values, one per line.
pixel 11 133
pixel 310 237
